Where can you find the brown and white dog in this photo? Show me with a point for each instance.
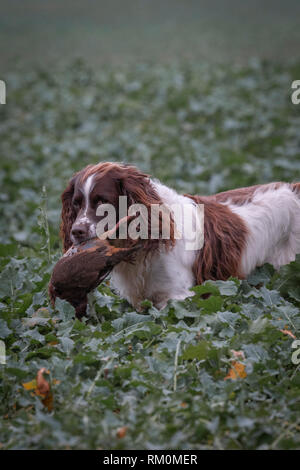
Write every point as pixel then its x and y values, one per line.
pixel 243 228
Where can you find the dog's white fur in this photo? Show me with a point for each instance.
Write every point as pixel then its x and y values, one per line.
pixel 273 220
pixel 162 275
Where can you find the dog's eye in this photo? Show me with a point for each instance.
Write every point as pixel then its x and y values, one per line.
pixel 76 203
pixel 99 200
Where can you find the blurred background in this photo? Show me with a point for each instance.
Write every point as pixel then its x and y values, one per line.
pixel 122 31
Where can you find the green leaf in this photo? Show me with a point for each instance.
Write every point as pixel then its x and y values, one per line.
pixel 67 344
pixel 4 330
pixel 64 308
pixel 227 287
pixel 258 325
pixel 200 351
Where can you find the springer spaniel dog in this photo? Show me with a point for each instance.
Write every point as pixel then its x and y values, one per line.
pixel 243 228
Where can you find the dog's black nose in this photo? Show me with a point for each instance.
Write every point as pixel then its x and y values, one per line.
pixel 79 233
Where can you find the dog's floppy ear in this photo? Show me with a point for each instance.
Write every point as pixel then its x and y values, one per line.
pixel 138 188
pixel 68 214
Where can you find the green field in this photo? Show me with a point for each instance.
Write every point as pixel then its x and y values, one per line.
pixel 200 126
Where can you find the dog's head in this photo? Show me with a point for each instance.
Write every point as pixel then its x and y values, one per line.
pixel 104 183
